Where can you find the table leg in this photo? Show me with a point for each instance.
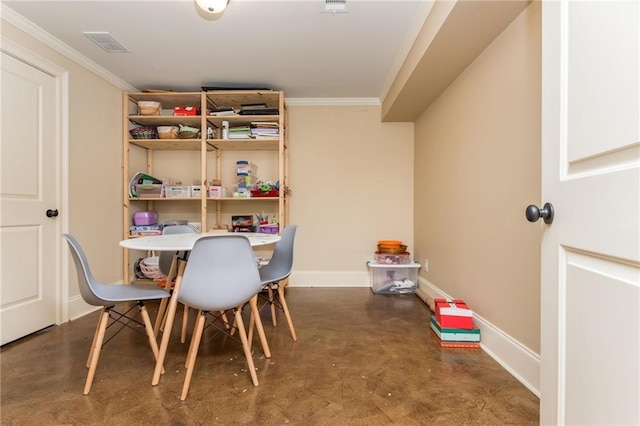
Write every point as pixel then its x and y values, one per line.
pixel 163 303
pixel 166 334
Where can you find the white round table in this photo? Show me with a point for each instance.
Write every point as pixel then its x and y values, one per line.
pixel 181 242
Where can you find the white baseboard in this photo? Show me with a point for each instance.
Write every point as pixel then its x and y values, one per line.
pixel 329 279
pixel 517 359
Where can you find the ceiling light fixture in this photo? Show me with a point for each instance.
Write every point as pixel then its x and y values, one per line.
pixel 213 7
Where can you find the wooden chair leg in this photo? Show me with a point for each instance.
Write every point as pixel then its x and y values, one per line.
pixel 192 354
pixel 185 320
pixel 95 336
pixel 234 326
pixel 285 308
pixel 95 350
pixel 162 310
pixel 171 312
pixel 245 346
pixel 274 320
pixel 252 325
pixel 149 329
pixel 195 328
pixel 255 316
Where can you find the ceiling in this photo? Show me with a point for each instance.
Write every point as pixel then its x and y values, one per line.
pixel 288 45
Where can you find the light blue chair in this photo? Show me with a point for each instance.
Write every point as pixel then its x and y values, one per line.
pixel 220 276
pixel 168 265
pixel 274 273
pixel 106 295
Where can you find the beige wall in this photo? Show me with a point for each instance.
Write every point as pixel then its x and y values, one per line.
pixel 477 161
pixel 352 182
pixel 95 149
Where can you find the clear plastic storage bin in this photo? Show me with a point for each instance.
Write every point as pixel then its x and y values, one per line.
pixel 393 279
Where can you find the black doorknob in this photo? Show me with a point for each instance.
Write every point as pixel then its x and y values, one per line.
pixel 533 213
pixel 52 213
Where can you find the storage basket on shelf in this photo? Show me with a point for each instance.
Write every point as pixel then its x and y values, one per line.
pixel 262 193
pixel 149 108
pixel 144 132
pixel 187 132
pixel 167 132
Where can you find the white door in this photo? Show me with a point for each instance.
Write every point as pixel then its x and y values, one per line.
pixel 590 331
pixel 28 238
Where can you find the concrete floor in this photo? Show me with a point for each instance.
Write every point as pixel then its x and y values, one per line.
pixel 360 359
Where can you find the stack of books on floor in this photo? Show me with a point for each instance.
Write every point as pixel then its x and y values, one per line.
pixel 452 325
pixel 455 337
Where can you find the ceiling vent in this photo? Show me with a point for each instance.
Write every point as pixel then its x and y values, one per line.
pixel 106 42
pixel 335 6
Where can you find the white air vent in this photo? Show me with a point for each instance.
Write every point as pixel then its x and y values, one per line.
pixel 335 6
pixel 106 41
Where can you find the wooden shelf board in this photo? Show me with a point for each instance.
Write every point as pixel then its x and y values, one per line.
pixel 245 144
pixel 170 144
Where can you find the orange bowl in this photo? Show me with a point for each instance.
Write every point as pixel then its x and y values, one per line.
pixel 389 243
pixel 393 250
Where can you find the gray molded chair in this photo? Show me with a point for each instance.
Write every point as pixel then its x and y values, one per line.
pixel 106 295
pixel 221 275
pixel 168 265
pixel 274 273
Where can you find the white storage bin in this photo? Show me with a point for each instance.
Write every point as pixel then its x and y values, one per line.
pixel 177 191
pixel 393 279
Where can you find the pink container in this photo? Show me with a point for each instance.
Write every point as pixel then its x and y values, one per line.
pixel 145 218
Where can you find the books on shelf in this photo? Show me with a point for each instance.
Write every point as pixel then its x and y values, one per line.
pixel 265 124
pixel 257 109
pixel 239 132
pixel 264 130
pixel 215 112
pixel 142 230
pixel 454 334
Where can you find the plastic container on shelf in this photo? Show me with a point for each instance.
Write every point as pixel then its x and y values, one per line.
pixel 149 190
pixel 392 259
pixel 145 218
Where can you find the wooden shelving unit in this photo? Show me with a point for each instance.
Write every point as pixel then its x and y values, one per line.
pixel 211 149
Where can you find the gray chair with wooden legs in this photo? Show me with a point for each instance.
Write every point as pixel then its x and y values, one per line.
pixel 221 275
pixel 273 275
pixel 168 265
pixel 98 294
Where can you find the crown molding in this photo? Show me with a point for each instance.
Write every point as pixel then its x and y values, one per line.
pixel 31 29
pixel 332 101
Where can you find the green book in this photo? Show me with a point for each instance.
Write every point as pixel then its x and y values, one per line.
pixel 454 334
